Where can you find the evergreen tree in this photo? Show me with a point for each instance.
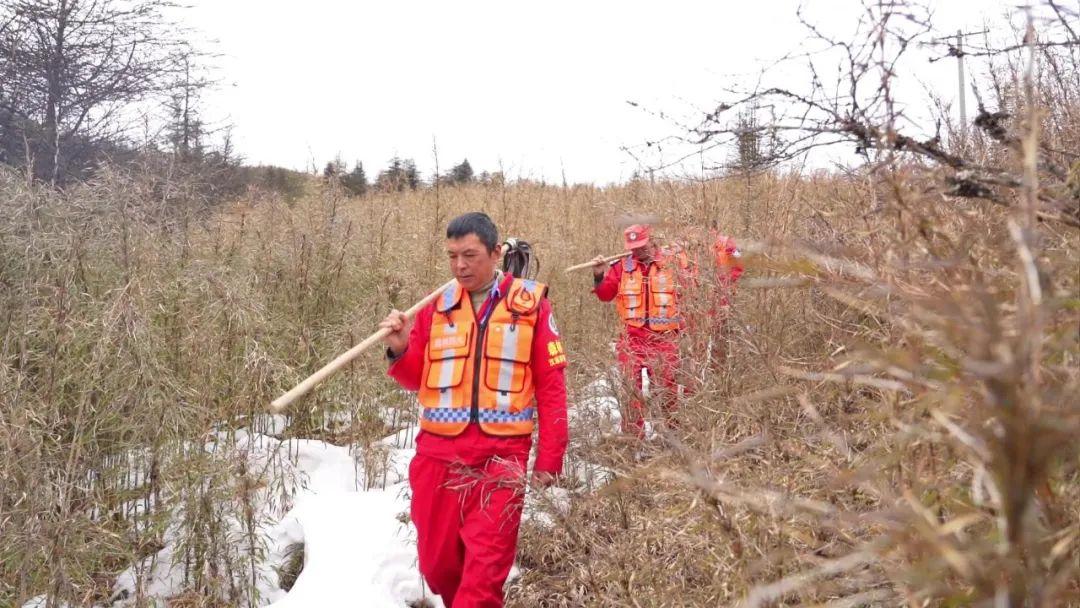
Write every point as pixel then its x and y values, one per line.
pixel 355 181
pixel 392 178
pixel 186 131
pixel 334 169
pixel 462 174
pixel 411 174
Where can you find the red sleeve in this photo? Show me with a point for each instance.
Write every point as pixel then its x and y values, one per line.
pixel 549 376
pixel 734 273
pixel 609 286
pixel 409 367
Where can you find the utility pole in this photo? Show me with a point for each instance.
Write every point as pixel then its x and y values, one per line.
pixel 955 46
pixel 960 74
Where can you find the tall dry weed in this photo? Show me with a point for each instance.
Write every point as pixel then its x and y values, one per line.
pixel 894 422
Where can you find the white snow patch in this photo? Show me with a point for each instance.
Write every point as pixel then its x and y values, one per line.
pixel 42 601
pixel 355 551
pixel 359 546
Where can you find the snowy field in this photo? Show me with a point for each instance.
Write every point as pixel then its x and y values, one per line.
pixel 359 546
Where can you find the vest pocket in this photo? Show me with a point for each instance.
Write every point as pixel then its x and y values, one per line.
pixel 662 290
pixel 507 351
pixel 632 296
pixel 662 282
pixel 448 350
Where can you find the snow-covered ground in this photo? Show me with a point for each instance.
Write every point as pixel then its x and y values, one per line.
pixel 359 546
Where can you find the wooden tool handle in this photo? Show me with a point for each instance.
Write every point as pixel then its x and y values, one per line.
pixel 343 359
pixel 607 260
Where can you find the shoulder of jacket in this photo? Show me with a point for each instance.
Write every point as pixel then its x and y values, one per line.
pixel 526 295
pixel 448 299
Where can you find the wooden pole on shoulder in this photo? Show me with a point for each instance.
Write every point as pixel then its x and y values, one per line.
pixel 607 260
pixel 343 359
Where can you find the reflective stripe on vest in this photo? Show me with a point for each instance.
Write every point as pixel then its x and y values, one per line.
pixel 450 414
pixel 500 370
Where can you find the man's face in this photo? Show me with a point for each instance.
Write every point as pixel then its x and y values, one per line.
pixel 470 261
pixel 644 253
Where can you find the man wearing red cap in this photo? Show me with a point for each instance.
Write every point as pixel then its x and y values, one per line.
pixel 645 288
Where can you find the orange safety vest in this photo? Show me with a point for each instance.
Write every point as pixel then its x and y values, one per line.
pixel 479 372
pixel 653 302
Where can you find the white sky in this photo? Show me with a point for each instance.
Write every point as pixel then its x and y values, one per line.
pixel 537 86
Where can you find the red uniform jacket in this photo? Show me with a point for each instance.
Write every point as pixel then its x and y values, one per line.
pixel 729 269
pixel 473 446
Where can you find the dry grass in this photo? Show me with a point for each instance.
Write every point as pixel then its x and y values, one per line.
pixel 869 415
pixel 895 423
pixel 126 332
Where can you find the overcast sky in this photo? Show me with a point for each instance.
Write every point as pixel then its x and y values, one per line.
pixel 540 87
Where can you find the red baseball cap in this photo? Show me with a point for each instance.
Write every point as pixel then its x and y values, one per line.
pixel 636 236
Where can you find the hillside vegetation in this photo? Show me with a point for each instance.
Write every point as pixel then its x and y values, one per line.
pixel 882 423
pixel 895 419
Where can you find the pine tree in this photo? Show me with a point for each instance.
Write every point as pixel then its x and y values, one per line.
pixel 462 174
pixel 411 174
pixel 399 175
pixel 355 181
pixel 334 169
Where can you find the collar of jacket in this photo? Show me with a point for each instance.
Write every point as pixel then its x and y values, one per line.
pixel 498 287
pixel 497 282
pixel 632 263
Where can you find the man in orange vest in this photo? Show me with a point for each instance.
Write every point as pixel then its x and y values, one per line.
pixel 488 365
pixel 645 287
pixel 729 268
pixel 714 293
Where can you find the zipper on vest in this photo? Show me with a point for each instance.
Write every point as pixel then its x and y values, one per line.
pixel 474 410
pixel 481 325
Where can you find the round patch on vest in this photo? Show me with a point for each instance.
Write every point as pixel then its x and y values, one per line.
pixel 551 325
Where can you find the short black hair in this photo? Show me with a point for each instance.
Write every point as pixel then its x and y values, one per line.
pixel 476 223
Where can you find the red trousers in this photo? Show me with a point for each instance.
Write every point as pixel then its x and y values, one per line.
pixel 660 356
pixel 467 520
